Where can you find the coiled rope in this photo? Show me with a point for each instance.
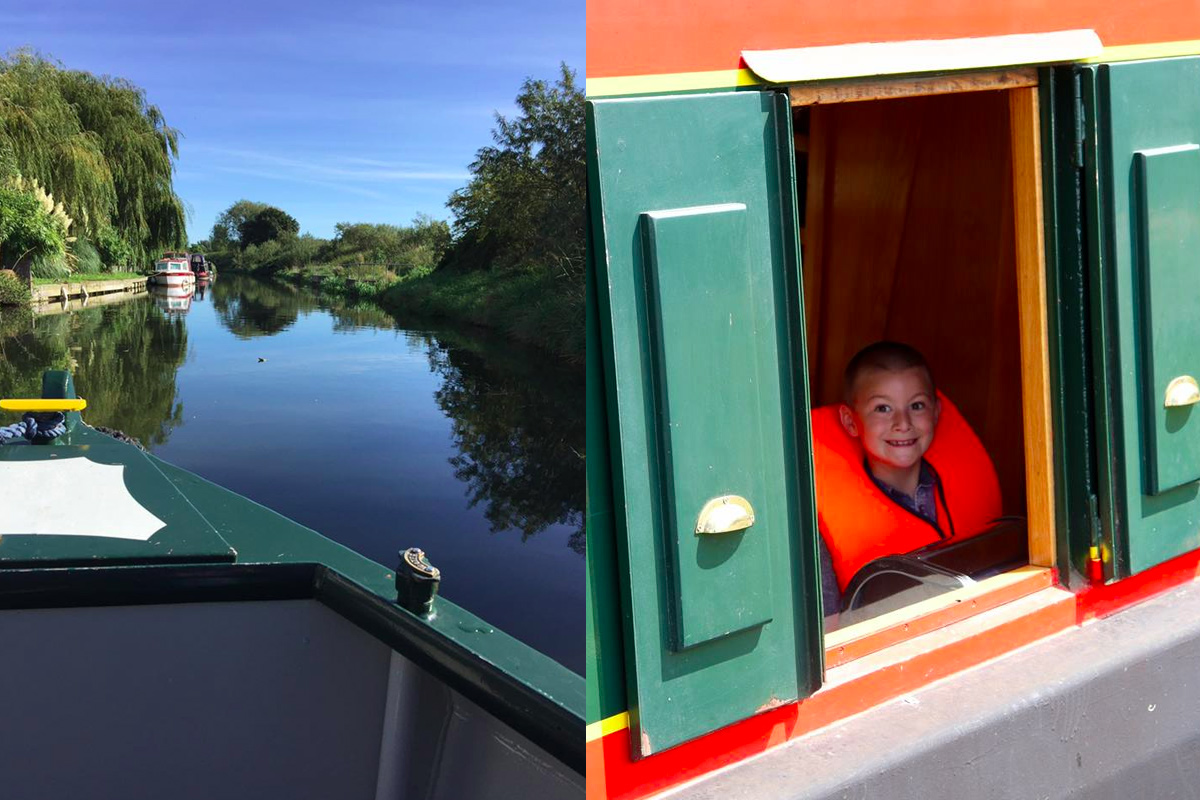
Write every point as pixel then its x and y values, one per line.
pixel 35 427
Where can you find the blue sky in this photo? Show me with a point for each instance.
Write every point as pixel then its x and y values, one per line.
pixel 333 110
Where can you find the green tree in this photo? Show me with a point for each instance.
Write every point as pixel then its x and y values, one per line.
pixel 97 145
pixel 268 224
pixel 140 150
pixel 113 249
pixel 227 230
pixel 524 205
pixel 44 139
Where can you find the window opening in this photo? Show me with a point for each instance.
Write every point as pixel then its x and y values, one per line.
pixel 916 227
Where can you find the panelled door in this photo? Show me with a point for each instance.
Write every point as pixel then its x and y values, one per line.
pixel 695 236
pixel 1141 125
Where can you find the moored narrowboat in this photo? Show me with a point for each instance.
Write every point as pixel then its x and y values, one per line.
pixel 1014 193
pixel 199 265
pixel 171 638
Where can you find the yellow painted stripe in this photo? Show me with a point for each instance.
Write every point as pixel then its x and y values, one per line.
pixel 598 730
pixel 1137 52
pixel 43 405
pixel 671 82
pixel 732 78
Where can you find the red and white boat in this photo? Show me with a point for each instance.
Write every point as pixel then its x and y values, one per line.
pixel 173 271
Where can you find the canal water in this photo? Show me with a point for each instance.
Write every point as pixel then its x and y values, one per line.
pixel 378 434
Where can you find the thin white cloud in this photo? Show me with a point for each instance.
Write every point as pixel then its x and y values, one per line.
pixel 329 171
pixel 376 162
pixel 341 187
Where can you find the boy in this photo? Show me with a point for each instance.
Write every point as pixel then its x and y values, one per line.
pixel 878 493
pixel 890 405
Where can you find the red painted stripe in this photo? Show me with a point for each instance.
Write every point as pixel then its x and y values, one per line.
pixel 611 772
pixel 1100 601
pixel 633 37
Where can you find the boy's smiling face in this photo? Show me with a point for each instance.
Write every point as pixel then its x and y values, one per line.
pixel 893 414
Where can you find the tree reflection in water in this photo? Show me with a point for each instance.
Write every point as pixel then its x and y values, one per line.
pixel 248 307
pixel 517 416
pixel 124 358
pixel 519 429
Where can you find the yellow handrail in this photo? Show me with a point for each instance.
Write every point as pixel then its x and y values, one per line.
pixel 41 404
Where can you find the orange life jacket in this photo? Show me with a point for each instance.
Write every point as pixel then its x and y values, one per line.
pixel 860 523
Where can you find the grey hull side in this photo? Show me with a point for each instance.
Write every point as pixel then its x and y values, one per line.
pixel 255 700
pixel 1110 709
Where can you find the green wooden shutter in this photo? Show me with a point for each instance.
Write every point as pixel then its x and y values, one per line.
pixel 1142 191
pixel 693 202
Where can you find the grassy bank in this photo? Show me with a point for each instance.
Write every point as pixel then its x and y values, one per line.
pixel 530 307
pixel 80 277
pixel 534 308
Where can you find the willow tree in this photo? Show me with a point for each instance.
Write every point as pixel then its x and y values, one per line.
pixel 96 144
pixel 140 149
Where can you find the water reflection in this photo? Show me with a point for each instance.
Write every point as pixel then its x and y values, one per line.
pixel 517 424
pixel 248 307
pixel 379 434
pixel 124 357
pixel 173 300
pixel 518 432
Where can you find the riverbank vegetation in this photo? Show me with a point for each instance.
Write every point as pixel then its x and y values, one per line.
pixel 79 276
pixel 511 258
pixel 86 167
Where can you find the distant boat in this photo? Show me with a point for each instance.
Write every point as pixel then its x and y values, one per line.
pixel 200 266
pixel 173 270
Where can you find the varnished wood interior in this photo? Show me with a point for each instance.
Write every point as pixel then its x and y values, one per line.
pixel 909 234
pixel 850 91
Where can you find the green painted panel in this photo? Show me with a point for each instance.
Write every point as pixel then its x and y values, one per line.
pixel 1167 183
pixel 1069 335
pixel 1135 115
pixel 605 660
pixel 693 210
pixel 703 312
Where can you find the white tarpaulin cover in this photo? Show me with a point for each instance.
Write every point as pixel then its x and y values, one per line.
pixel 71 497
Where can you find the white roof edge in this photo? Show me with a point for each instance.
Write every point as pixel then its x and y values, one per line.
pixel 929 55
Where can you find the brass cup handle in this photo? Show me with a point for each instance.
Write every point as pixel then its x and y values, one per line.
pixel 725 515
pixel 1182 391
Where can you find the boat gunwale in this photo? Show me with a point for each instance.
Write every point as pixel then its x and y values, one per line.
pixel 547 721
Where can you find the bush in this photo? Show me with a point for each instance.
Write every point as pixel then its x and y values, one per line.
pixel 87 259
pixel 26 228
pixel 13 291
pixel 53 267
pixel 113 250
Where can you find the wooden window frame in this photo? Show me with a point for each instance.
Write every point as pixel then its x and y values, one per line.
pixel 1021 86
